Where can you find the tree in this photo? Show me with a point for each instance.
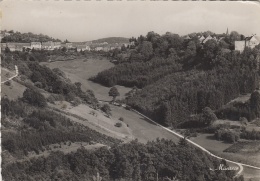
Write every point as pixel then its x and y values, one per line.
pixel 7 50
pixel 208 116
pixel 191 49
pixel 183 142
pixel 34 97
pixel 255 104
pixel 146 49
pixel 113 92
pixel 105 108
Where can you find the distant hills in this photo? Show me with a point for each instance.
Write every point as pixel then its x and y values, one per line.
pixel 112 40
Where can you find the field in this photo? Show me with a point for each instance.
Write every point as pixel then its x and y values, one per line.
pixel 140 128
pixel 13 91
pixel 251 174
pixel 82 70
pixel 210 143
pixel 5 74
pixel 244 155
pixel 237 124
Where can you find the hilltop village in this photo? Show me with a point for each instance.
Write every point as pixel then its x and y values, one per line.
pixel 239 43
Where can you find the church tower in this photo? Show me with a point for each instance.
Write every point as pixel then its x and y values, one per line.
pixel 227 32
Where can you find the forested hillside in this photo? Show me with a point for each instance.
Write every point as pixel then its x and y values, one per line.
pixel 26 37
pixel 179 77
pixel 132 161
pixel 111 40
pixel 29 124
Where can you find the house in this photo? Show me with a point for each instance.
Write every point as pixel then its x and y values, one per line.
pixel 21 46
pixel 36 45
pixel 207 39
pixel 68 45
pixel 250 42
pixel 81 47
pixel 3 46
pixel 47 45
pixel 187 37
pixel 56 45
pixel 201 39
pixel 88 48
pixel 98 48
pixel 11 46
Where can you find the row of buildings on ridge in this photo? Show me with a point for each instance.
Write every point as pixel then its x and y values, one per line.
pixel 250 41
pixel 50 45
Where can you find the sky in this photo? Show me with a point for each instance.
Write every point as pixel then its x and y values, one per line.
pixel 90 20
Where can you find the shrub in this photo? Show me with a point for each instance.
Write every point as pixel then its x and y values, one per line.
pixel 38 84
pixel 76 101
pixel 121 119
pixel 118 125
pixel 34 97
pixel 106 109
pixel 23 77
pixel 8 83
pixel 64 106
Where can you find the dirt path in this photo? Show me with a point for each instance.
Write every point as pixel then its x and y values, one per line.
pixel 10 78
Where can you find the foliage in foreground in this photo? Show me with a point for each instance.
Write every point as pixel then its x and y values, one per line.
pixel 133 161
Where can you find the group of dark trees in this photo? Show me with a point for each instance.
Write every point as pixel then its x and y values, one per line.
pixel 54 81
pixel 42 127
pixel 179 77
pixel 235 110
pixel 26 37
pixel 233 135
pixel 137 74
pixel 134 161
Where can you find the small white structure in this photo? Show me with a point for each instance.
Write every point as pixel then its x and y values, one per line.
pixel 250 42
pixel 36 45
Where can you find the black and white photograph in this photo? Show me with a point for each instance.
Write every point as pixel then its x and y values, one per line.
pixel 130 90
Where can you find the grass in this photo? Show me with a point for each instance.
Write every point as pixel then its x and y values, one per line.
pixel 250 173
pixel 141 128
pixel 245 147
pixel 5 74
pixel 209 142
pixel 13 91
pixel 81 70
pixel 97 121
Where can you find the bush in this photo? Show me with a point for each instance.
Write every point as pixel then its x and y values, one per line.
pixel 64 106
pixel 8 83
pixel 106 109
pixel 23 77
pixel 76 101
pixel 38 84
pixel 121 119
pixel 227 135
pixel 34 97
pixel 118 125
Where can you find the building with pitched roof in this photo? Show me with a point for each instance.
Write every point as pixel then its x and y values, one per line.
pixel 36 45
pixel 250 42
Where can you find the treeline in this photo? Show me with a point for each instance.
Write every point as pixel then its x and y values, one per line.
pixel 40 128
pixel 162 159
pixel 195 75
pixel 173 99
pixel 137 74
pixel 26 37
pixel 53 81
pixel 140 65
pixel 233 135
pixel 234 111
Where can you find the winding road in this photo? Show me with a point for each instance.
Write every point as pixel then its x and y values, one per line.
pixel 240 165
pixel 10 78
